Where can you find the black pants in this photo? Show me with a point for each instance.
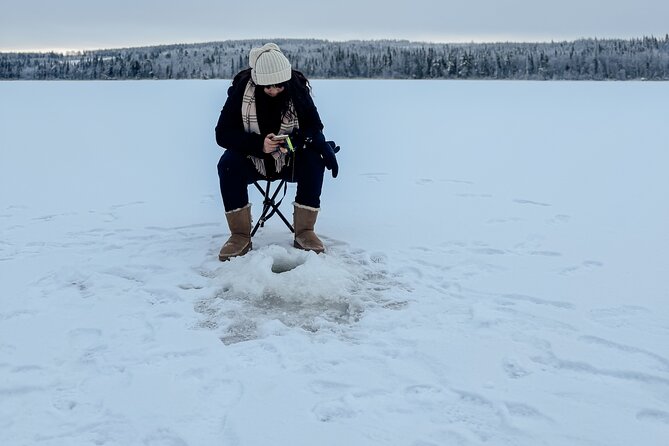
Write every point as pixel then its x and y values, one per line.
pixel 236 172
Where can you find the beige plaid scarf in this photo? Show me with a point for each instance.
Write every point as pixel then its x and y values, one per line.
pixel 289 123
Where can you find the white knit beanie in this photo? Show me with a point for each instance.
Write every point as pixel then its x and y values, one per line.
pixel 269 65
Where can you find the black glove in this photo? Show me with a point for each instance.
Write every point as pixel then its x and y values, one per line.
pixel 328 153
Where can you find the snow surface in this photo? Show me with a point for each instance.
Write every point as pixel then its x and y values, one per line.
pixel 496 271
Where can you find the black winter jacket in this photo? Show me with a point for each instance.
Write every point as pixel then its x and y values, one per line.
pixel 230 133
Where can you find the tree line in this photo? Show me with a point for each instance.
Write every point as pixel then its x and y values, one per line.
pixel 644 58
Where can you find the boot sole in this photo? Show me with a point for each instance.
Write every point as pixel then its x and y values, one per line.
pixel 244 251
pixel 298 246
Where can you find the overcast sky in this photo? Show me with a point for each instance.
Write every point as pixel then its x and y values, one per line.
pixel 89 24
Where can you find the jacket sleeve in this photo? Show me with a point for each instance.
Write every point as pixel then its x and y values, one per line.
pixel 311 126
pixel 310 120
pixel 230 133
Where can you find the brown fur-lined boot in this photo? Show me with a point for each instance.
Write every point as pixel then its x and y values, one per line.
pixel 239 243
pixel 304 219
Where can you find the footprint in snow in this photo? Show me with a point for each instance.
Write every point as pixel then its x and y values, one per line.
pixel 546 253
pixel 538 301
pixel 661 361
pixel 530 202
pixel 522 410
pixel 587 265
pixel 653 415
pixel 514 369
pixel 559 219
pixel 328 387
pixel 329 411
pixel 164 437
pixel 488 251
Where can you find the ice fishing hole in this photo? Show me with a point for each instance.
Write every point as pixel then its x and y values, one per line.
pixel 283 264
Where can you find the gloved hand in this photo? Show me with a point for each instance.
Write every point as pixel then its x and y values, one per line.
pixel 328 153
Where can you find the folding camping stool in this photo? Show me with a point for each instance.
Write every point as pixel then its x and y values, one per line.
pixel 270 206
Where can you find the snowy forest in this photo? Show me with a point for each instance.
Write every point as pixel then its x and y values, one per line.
pixel 644 58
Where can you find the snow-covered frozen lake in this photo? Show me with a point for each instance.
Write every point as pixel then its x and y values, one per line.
pixel 497 271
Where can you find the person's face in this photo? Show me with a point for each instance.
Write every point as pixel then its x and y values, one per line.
pixel 273 90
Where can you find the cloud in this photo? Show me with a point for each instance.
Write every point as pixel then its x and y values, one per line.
pixel 85 24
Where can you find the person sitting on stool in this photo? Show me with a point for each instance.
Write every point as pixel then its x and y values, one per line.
pixel 266 100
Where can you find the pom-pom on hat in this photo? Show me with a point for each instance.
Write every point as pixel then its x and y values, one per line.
pixel 268 65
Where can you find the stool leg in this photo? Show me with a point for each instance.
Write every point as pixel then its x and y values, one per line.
pixel 265 207
pixel 270 206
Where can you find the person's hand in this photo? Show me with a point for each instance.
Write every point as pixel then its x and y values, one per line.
pixel 271 146
pixel 330 158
